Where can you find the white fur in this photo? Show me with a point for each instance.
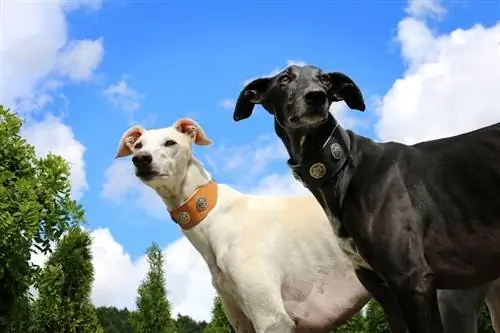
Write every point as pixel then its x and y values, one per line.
pixel 275 261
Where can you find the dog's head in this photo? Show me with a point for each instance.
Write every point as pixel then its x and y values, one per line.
pixel 298 96
pixel 161 156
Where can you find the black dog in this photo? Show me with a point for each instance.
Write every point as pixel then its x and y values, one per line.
pixel 421 216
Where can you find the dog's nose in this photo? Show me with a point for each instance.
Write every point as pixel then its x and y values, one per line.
pixel 315 98
pixel 142 159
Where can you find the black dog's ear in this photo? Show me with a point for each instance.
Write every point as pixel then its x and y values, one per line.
pixel 252 94
pixel 344 88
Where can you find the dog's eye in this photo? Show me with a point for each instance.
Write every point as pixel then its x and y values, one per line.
pixel 169 143
pixel 285 78
pixel 138 145
pixel 325 79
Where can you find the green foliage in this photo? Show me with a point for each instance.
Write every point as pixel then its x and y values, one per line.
pixel 21 320
pixel 484 321
pixel 355 324
pixel 153 307
pixel 65 285
pixel 113 320
pixel 219 323
pixel 35 209
pixel 185 324
pixel 375 318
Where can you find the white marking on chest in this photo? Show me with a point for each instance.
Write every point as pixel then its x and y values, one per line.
pixel 347 245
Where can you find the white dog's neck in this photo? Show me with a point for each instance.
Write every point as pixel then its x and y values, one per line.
pixel 194 177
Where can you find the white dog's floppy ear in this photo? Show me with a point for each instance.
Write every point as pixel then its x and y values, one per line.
pixel 128 139
pixel 194 130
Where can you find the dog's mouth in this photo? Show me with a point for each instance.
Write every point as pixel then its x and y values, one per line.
pixel 147 175
pixel 311 118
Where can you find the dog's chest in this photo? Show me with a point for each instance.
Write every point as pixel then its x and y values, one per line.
pixel 347 244
pixel 349 248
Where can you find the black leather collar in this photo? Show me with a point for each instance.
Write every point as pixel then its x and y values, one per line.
pixel 331 158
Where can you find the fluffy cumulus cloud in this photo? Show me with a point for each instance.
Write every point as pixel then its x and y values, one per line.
pixel 117 276
pixel 122 187
pixel 51 135
pixel 38 59
pixel 451 84
pixel 36 52
pixel 123 97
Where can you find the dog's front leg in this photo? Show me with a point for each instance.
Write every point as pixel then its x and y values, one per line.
pixel 237 319
pixel 413 286
pixel 381 292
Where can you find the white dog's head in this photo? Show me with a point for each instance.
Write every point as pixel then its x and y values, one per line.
pixel 161 156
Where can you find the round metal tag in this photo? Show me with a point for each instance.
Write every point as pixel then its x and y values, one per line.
pixel 201 203
pixel 317 170
pixel 337 151
pixel 183 218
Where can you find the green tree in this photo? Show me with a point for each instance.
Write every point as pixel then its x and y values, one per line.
pixel 355 324
pixel 219 322
pixel 153 308
pixel 21 320
pixel 375 318
pixel 35 209
pixel 65 284
pixel 113 320
pixel 484 321
pixel 186 324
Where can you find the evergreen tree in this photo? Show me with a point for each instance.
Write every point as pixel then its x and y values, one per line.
pixel 35 210
pixel 186 324
pixel 153 308
pixel 65 285
pixel 113 320
pixel 219 322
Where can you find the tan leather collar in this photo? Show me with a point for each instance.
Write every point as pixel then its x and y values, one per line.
pixel 196 208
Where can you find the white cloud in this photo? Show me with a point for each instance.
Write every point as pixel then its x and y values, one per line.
pixel 227 104
pixel 36 60
pixel 122 186
pixel 51 135
pixel 117 276
pixel 277 70
pixel 451 84
pixel 278 185
pixel 81 58
pixel 425 7
pixel 251 158
pixel 123 97
pixel 35 47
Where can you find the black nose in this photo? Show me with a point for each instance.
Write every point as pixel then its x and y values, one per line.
pixel 142 159
pixel 315 98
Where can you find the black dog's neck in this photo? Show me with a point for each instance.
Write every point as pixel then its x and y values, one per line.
pixel 303 144
pixel 317 155
pixel 319 159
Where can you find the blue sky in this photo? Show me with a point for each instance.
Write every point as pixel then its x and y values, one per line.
pixel 162 60
pixel 186 58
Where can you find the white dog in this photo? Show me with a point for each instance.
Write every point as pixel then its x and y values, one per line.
pixel 275 261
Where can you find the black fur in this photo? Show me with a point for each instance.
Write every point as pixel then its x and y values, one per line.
pixel 423 216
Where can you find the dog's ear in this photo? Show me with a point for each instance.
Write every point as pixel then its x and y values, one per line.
pixel 252 94
pixel 194 130
pixel 128 139
pixel 344 88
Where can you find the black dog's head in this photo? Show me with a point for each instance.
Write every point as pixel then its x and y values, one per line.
pixel 298 96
